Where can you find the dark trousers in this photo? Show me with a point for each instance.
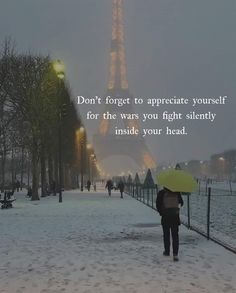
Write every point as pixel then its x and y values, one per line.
pixel 174 229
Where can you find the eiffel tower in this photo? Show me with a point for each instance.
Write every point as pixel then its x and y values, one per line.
pixel 107 144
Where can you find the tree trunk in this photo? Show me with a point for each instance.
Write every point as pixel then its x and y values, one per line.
pixel 22 168
pixel 56 178
pixel 77 180
pixel 35 174
pixel 3 169
pixel 28 171
pixel 12 170
pixel 50 168
pixel 67 177
pixel 43 173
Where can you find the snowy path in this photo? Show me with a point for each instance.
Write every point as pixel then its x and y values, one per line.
pixel 95 244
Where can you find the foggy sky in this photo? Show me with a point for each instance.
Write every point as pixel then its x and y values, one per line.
pixel 173 47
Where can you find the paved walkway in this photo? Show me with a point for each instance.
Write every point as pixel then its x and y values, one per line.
pixel 92 243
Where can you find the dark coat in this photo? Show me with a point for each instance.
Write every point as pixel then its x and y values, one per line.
pixel 88 183
pixel 168 217
pixel 121 186
pixel 109 185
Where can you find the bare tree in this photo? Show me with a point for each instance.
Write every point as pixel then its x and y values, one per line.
pixel 7 54
pixel 31 102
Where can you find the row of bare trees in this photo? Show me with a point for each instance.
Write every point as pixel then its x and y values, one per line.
pixel 31 99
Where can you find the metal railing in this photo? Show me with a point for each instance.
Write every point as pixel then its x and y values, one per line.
pixel 146 195
pixel 212 216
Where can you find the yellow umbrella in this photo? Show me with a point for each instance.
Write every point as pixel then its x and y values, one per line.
pixel 177 180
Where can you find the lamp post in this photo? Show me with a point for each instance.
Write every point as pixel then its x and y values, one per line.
pixel 93 160
pixel 89 150
pixel 60 72
pixel 222 167
pixel 81 130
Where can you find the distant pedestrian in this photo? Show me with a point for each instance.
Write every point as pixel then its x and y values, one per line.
pixel 167 204
pixel 177 167
pixel 121 187
pixel 94 186
pixel 109 186
pixel 17 184
pixel 88 185
pixel 29 192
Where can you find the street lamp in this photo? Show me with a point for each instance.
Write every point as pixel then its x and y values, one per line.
pixel 201 168
pixel 222 166
pixel 89 150
pixel 93 162
pixel 59 68
pixel 82 132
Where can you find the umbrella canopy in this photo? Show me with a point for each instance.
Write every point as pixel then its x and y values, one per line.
pixel 177 180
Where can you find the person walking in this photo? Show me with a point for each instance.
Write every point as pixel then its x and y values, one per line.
pixel 167 204
pixel 17 184
pixel 121 187
pixel 109 186
pixel 88 185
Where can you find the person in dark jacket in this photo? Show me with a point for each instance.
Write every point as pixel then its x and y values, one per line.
pixel 88 185
pixel 167 204
pixel 109 186
pixel 121 187
pixel 17 184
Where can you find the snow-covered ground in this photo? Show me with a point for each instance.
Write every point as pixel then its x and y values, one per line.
pixel 219 188
pixel 222 213
pixel 92 243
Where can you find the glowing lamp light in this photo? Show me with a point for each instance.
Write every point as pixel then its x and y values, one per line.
pixel 59 67
pixel 89 146
pixel 82 130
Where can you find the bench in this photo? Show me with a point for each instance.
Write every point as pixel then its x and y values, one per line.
pixel 7 201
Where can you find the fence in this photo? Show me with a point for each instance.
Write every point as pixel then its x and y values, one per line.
pixel 211 215
pixel 217 188
pixel 143 194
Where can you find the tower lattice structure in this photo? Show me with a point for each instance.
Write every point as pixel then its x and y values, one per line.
pixel 107 144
